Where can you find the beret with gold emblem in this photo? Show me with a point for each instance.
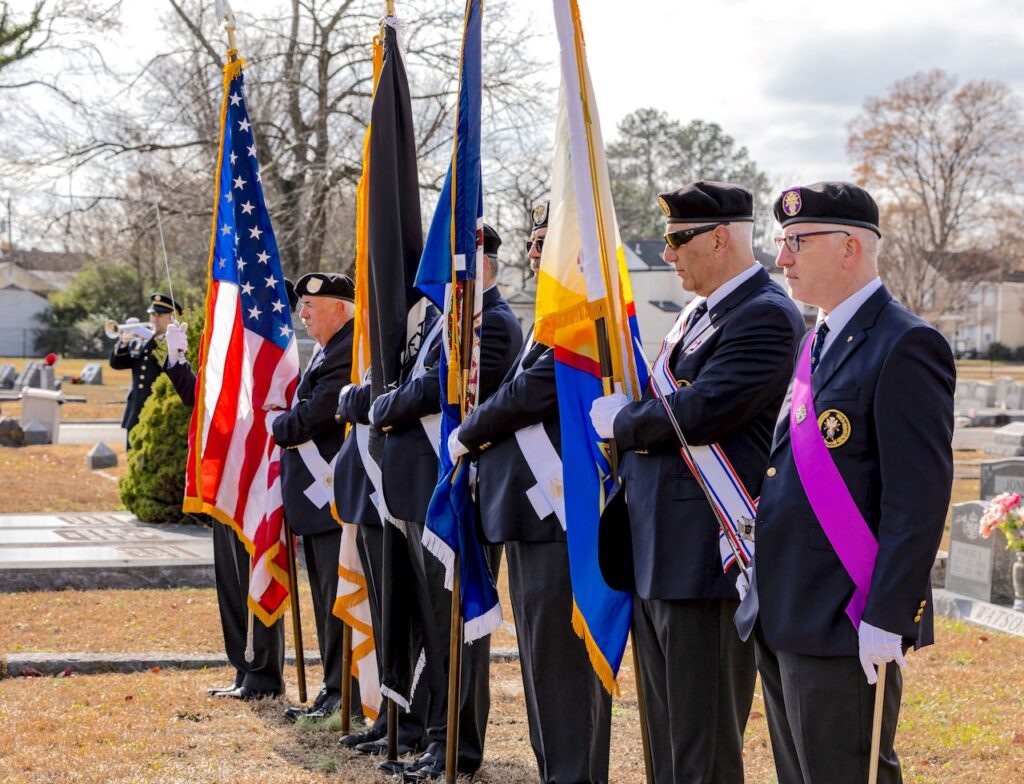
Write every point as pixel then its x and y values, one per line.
pixel 540 215
pixel 326 284
pixel 841 203
pixel 707 202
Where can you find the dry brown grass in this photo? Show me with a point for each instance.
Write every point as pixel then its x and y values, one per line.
pixel 55 478
pixel 960 722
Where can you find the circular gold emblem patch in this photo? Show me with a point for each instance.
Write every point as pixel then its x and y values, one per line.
pixel 540 213
pixel 664 207
pixel 791 202
pixel 835 427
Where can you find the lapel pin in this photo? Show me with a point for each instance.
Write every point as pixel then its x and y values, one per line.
pixel 849 338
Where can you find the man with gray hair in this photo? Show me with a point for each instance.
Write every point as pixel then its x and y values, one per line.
pixel 854 500
pixel 722 373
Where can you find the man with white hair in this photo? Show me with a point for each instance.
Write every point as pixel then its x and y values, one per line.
pixel 722 371
pixel 310 439
pixel 854 499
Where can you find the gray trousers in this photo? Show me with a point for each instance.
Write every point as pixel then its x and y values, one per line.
pixel 820 711
pixel 698 684
pixel 568 710
pixel 475 694
pixel 231 575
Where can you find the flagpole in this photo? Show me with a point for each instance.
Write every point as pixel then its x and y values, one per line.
pixel 293 590
pixel 876 724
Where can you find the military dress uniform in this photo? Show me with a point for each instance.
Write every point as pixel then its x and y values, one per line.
pixel 138 356
pixel 731 369
pixel 311 419
pixel 568 709
pixel 410 473
pixel 883 390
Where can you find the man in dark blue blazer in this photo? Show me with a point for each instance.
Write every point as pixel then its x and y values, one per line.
pixel 410 474
pixel 726 365
pixel 881 389
pixel 310 439
pixel 516 437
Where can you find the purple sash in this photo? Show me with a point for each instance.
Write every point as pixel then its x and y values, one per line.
pixel 840 519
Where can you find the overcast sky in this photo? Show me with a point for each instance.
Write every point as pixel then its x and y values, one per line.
pixel 783 78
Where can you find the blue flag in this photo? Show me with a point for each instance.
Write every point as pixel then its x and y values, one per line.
pixel 448 267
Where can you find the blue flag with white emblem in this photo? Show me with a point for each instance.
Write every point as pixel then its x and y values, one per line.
pixel 447 275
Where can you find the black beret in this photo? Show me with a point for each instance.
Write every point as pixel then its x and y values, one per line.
pixel 491 242
pixel 707 202
pixel 161 303
pixel 827 202
pixel 326 284
pixel 540 215
pixel 293 298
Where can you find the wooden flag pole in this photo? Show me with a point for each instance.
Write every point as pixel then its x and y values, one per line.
pixel 876 725
pixel 293 594
pixel 345 706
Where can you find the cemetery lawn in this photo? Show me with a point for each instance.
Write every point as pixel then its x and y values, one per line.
pixel 103 402
pixel 55 478
pixel 961 720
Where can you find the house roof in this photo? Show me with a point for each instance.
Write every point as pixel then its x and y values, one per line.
pixel 35 259
pixel 14 277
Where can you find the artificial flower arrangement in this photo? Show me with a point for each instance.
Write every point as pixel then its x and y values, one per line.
pixel 1005 513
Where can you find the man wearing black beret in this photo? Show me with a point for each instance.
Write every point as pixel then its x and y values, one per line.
pixel 410 471
pixel 134 351
pixel 854 501
pixel 723 370
pixel 310 439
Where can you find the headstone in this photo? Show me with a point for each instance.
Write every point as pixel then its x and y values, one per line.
pixel 7 376
pixel 36 433
pixel 29 377
pixel 1014 397
pixel 1002 476
pixel 984 394
pixel 43 406
pixel 92 374
pixel 1007 440
pixel 101 456
pixel 978 567
pixel 1002 388
pixel 11 433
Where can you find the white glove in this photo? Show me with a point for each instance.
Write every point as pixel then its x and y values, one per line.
pixel 877 646
pixel 604 410
pixel 455 447
pixel 344 391
pixel 743 584
pixel 372 414
pixel 177 343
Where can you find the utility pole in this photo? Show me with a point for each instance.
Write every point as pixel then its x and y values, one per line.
pixel 8 225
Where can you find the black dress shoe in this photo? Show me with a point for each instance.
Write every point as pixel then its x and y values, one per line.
pixel 358 738
pixel 248 695
pixel 380 746
pixel 216 691
pixel 325 708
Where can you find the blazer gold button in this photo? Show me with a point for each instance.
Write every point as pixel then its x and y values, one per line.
pixel 923 603
pixel 771 471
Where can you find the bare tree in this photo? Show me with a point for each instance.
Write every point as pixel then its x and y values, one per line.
pixel 945 162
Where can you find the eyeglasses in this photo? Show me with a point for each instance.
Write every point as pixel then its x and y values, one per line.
pixel 676 239
pixel 539 242
pixel 792 241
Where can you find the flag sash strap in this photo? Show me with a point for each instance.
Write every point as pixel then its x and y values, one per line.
pixel 321 491
pixel 432 422
pixel 736 508
pixel 827 493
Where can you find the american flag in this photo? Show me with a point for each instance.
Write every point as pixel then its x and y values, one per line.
pixel 248 361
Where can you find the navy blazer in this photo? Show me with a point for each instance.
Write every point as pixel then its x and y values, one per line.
pixel 352 486
pixel 732 385
pixel 892 375
pixel 313 418
pixel 503 475
pixel 137 357
pixel 410 463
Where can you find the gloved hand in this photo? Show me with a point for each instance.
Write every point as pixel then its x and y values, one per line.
pixel 877 646
pixel 372 416
pixel 604 410
pixel 455 447
pixel 743 584
pixel 177 343
pixel 345 390
pixel 128 334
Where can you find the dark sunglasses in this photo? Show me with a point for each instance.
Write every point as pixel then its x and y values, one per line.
pixel 676 239
pixel 539 242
